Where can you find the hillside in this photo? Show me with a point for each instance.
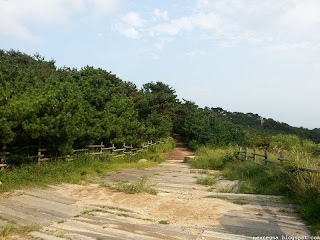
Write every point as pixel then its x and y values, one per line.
pixel 266 126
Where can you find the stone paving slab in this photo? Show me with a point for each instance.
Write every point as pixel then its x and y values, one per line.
pixel 47 194
pixel 68 211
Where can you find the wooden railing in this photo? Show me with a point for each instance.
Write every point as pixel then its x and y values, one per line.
pixel 243 155
pixel 98 149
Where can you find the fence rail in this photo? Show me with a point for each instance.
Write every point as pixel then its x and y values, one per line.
pixel 98 149
pixel 243 156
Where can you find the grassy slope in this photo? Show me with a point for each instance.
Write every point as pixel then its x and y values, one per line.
pixel 83 167
pixel 299 187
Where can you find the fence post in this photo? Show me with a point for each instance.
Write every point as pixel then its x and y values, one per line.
pixel 238 158
pixel 254 155
pixel 3 155
pixel 39 157
pixel 281 157
pixel 246 154
pixel 265 157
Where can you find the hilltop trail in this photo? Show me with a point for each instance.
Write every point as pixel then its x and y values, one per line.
pixel 182 209
pixel 180 151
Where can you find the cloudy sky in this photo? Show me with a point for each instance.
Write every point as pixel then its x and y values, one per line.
pixel 241 55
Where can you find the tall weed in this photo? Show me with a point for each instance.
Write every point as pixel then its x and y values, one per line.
pixel 208 158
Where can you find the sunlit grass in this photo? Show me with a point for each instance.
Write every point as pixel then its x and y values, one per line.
pixel 139 186
pixel 207 181
pixel 208 158
pixel 298 186
pixel 14 228
pixel 81 169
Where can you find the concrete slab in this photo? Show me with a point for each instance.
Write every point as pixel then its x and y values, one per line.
pixel 48 194
pixel 44 236
pixel 47 204
pixel 74 236
pixel 104 232
pixel 20 217
pixel 249 196
pixel 32 211
pixel 181 206
pixel 224 236
pixel 151 229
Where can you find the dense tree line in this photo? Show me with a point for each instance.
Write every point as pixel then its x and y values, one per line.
pixel 262 133
pixel 63 109
pixel 202 127
pixel 66 108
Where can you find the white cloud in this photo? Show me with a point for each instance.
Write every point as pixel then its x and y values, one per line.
pixel 132 19
pixel 288 47
pixel 160 15
pixel 316 67
pixel 155 57
pixel 127 31
pixel 196 53
pixel 129 25
pixel 17 15
pixel 186 24
pixel 103 7
pixel 303 14
pixel 162 42
pixel 270 25
pixel 131 33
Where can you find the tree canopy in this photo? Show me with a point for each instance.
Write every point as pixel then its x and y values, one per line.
pixel 64 108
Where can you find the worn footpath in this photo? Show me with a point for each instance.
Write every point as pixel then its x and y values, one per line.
pixel 182 209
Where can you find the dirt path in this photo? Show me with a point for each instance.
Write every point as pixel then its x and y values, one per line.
pixel 180 152
pixel 181 210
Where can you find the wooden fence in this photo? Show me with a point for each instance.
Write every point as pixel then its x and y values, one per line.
pixel 99 149
pixel 244 155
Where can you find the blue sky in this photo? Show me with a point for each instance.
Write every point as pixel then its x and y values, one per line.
pixel 241 55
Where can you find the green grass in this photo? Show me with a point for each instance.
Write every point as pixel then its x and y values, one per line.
pixel 123 215
pixel 240 202
pixel 92 211
pixel 132 188
pixel 207 181
pixel 163 222
pixel 219 197
pixel 302 188
pixel 225 190
pixel 208 158
pixel 79 170
pixel 11 228
pixel 283 211
pixel 211 189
